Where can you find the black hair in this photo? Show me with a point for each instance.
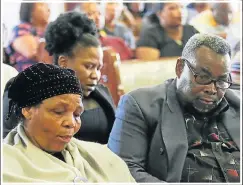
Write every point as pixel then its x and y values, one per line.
pixel 25 12
pixel 69 30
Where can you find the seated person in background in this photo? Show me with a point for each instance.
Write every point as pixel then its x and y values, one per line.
pixel 113 27
pixel 216 20
pixel 23 47
pixel 118 44
pixel 132 16
pixel 187 129
pixel 151 18
pixel 166 39
pixel 71 40
pixel 48 102
pixel 8 71
pixel 194 9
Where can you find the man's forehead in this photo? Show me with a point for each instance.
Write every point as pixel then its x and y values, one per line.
pixel 204 53
pixel 206 58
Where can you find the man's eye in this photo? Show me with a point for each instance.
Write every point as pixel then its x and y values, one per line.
pixel 204 77
pixel 221 82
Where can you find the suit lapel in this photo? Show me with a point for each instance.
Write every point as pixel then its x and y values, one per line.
pixel 232 124
pixel 174 134
pixel 106 103
pixel 98 93
pixel 231 117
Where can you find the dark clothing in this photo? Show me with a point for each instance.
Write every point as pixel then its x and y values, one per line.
pixel 150 133
pixel 212 155
pixel 235 86
pixel 90 133
pixel 156 37
pixel 98 129
pixel 211 163
pixel 97 123
pixel 59 156
pixel 151 20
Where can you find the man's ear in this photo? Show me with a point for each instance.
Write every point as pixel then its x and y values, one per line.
pixel 27 112
pixel 62 61
pixel 179 67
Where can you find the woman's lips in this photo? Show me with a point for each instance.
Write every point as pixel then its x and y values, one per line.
pixel 65 139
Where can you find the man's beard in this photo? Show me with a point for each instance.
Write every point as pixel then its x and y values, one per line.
pixel 201 109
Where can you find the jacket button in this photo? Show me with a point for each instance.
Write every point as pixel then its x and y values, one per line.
pixel 161 151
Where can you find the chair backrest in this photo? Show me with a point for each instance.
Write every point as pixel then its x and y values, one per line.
pixel 118 46
pixel 110 73
pixel 141 73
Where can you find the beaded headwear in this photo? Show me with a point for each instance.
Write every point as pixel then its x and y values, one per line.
pixel 42 81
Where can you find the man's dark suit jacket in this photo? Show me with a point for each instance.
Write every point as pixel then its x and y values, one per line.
pixel 149 132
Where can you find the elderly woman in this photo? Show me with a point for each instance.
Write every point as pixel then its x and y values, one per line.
pixel 47 100
pixel 71 40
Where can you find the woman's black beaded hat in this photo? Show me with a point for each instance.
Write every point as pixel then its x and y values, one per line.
pixel 42 81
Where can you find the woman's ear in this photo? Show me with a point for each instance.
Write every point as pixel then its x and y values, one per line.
pixel 62 61
pixel 27 112
pixel 179 67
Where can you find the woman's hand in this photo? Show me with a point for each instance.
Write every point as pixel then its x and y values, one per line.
pixel 27 45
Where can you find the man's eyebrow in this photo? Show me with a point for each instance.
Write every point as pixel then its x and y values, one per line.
pixel 205 70
pixel 208 72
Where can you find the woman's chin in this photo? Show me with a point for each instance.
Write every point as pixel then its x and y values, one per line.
pixel 87 93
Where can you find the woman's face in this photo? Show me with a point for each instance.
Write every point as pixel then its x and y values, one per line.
pixel 87 63
pixel 51 125
pixel 41 13
pixel 92 10
pixel 110 12
pixel 171 15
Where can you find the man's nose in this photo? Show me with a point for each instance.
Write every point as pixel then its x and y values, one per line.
pixel 210 89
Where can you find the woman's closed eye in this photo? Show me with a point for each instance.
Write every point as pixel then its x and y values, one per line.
pixel 59 111
pixel 89 66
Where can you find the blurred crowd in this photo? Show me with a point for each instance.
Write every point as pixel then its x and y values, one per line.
pixel 144 31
